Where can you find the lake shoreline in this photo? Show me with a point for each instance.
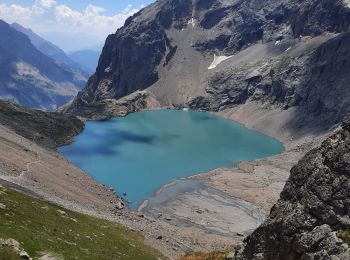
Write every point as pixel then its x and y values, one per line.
pixel 177 240
pixel 264 178
pixel 137 154
pixel 211 210
pixel 258 182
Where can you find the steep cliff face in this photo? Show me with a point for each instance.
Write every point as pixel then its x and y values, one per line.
pixel 282 54
pixel 312 80
pixel 312 218
pixel 237 24
pixel 130 57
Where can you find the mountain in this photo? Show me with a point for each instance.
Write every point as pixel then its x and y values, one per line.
pixel 33 124
pixel 32 79
pixel 46 47
pixel 311 219
pixel 217 55
pixel 88 59
pixel 278 66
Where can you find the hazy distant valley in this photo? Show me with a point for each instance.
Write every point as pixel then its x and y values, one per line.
pixel 38 74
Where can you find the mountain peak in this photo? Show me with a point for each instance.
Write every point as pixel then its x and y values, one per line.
pixel 168 47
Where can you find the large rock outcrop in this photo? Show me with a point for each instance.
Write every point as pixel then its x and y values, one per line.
pixel 237 24
pixel 130 57
pixel 311 220
pixel 314 81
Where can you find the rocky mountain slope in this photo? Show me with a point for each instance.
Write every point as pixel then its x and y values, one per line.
pixel 29 162
pixel 312 218
pixel 30 78
pixel 47 129
pixel 217 55
pixel 48 48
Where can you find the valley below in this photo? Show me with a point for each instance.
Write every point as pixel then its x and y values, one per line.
pixel 224 206
pixel 207 126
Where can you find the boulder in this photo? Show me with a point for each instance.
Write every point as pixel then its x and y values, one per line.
pixel 311 220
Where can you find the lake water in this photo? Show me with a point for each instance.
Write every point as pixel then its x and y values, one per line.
pixel 139 153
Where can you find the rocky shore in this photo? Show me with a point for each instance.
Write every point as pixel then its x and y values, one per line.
pixel 33 169
pixel 240 197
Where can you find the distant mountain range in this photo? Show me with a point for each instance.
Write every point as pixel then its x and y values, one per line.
pixel 46 47
pixel 34 72
pixel 88 59
pixel 84 60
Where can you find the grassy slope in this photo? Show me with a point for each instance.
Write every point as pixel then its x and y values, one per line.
pixel 41 227
pixel 205 256
pixel 9 254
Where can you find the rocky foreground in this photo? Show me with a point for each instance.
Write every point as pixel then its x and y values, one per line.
pixel 311 220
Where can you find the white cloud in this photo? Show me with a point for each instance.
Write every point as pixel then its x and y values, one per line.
pixel 47 3
pixel 71 29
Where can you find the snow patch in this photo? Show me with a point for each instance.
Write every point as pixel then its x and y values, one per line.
pixel 192 22
pixel 347 2
pixel 277 42
pixel 108 69
pixel 288 49
pixel 217 60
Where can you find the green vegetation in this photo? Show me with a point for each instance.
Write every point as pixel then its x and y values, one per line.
pixel 206 256
pixel 9 254
pixel 279 215
pixel 344 235
pixel 43 227
pixel 303 207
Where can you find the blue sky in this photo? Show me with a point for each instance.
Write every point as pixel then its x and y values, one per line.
pixel 72 25
pixel 111 6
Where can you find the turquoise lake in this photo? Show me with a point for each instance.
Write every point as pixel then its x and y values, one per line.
pixel 139 153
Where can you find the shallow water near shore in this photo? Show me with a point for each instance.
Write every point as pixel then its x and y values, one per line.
pixel 139 153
